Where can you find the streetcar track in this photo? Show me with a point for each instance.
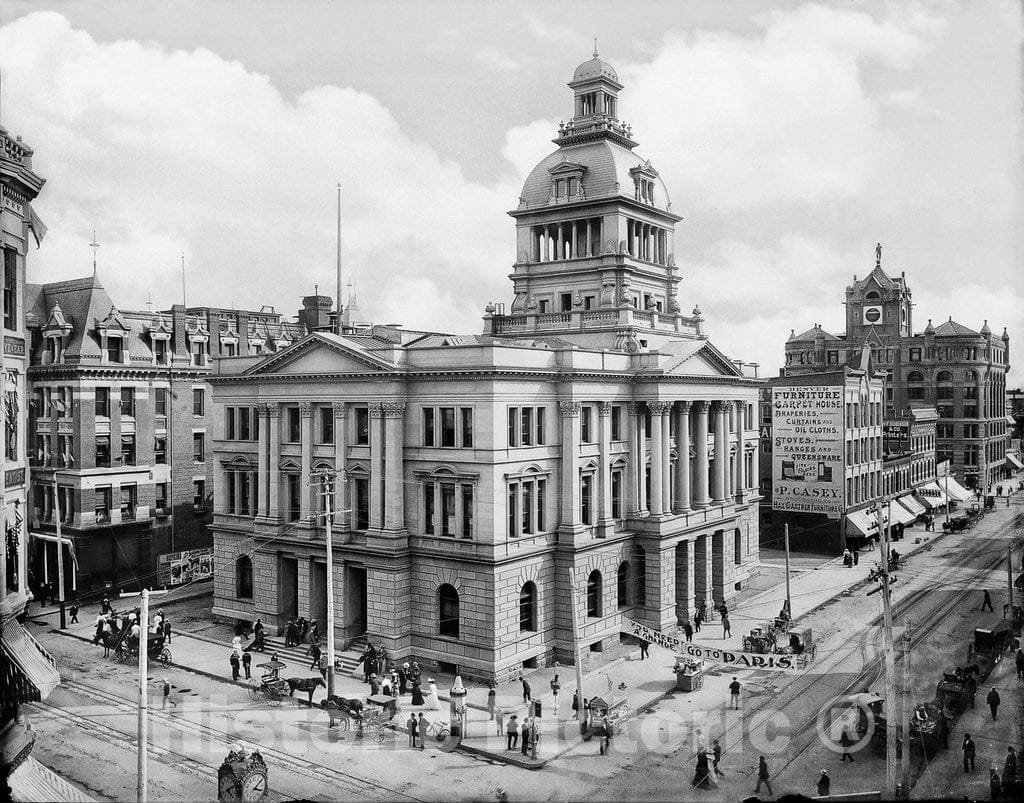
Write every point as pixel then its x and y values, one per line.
pixel 354 783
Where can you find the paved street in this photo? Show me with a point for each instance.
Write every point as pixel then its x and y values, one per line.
pixel 92 719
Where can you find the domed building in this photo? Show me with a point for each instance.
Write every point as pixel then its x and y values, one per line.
pixel 589 456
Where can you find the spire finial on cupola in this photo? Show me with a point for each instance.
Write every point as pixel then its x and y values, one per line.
pixel 596 54
pixel 878 255
pixel 985 329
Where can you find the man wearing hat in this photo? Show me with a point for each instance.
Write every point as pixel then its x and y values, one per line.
pixel 824 783
pixel 167 695
pixel 403 678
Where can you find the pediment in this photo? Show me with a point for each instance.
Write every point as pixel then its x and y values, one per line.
pixel 57 321
pixel 702 360
pixel 113 321
pixel 314 354
pixel 567 167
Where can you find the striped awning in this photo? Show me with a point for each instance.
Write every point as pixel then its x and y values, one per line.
pixel 32 782
pixel 865 522
pixel 931 495
pixel 900 514
pixel 954 489
pixel 1014 461
pixel 911 504
pixel 27 658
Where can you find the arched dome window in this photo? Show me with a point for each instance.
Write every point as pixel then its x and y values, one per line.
pixel 528 607
pixel 243 577
pixel 594 591
pixel 872 296
pixel 448 611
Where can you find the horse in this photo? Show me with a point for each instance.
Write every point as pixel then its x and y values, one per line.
pixel 308 685
pixel 109 640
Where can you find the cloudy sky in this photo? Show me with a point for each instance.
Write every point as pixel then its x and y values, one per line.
pixel 793 136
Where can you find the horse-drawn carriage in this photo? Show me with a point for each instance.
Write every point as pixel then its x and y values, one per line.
pixel 760 640
pixel 342 711
pixel 956 691
pixel 989 646
pixel 379 718
pixel 799 642
pixel 125 651
pixel 270 687
pixel 958 524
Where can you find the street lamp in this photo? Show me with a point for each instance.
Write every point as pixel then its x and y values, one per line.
pixel 458 694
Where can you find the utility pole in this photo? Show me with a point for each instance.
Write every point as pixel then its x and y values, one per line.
pixel 60 553
pixel 789 599
pixel 337 323
pixel 890 661
pixel 576 644
pixel 1009 579
pixel 905 760
pixel 143 735
pixel 328 478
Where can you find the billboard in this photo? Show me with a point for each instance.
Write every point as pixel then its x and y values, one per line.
pixel 896 434
pixel 178 568
pixel 807 450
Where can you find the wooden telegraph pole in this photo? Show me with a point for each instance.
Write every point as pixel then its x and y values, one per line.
pixel 789 599
pixel 890 661
pixel 576 643
pixel 328 479
pixel 905 759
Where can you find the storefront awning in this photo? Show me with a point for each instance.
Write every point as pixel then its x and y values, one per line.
pixel 1014 461
pixel 1011 420
pixel 32 781
pixel 29 658
pixel 865 522
pixel 931 496
pixel 954 489
pixel 900 515
pixel 911 504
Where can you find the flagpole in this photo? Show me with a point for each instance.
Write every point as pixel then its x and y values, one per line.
pixel 338 305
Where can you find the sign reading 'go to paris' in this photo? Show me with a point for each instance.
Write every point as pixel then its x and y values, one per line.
pixel 775 662
pixel 807 450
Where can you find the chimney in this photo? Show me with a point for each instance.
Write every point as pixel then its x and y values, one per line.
pixel 315 314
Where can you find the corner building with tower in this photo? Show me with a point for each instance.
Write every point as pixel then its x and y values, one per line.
pixel 591 453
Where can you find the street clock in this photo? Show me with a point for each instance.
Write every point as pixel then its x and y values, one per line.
pixel 242 777
pixel 872 315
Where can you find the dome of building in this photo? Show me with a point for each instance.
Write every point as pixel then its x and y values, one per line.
pixel 595 68
pixel 607 174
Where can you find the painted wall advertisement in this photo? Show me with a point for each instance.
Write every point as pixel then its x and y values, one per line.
pixel 807 450
pixel 178 568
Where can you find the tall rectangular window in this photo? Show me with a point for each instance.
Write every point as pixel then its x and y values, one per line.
pixel 585 431
pixel 128 402
pixel 466 420
pixel 243 494
pixel 229 423
pixel 199 495
pixel 513 426
pixel 447 509
pixel 362 426
pixel 586 486
pixel 199 447
pixel 102 451
pixel 160 450
pixel 526 428
pixel 198 401
pixel 428 508
pixel 161 497
pixel 616 494
pixel 103 402
pixel 128 450
pixel 467 511
pixel 540 427
pixel 327 425
pixel 541 502
pixel 293 431
pixel 161 351
pixel 10 288
pixel 527 517
pixel 513 509
pixel 361 490
pixel 246 419
pixel 128 498
pixel 428 426
pixel 616 423
pixel 447 427
pixel 294 496
pixel 104 498
pixel 160 401
pixel 115 350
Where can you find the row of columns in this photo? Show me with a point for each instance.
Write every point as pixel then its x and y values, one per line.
pixel 568 240
pixel 710 480
pixel 647 242
pixel 385 485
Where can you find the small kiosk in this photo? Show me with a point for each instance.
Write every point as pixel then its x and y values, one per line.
pixel 689 674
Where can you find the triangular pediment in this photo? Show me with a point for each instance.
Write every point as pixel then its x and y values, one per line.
pixel 315 354
pixel 567 167
pixel 113 321
pixel 57 322
pixel 702 359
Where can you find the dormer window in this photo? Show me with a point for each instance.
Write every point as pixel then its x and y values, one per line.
pixel 645 191
pixel 162 351
pixel 54 347
pixel 197 349
pixel 115 348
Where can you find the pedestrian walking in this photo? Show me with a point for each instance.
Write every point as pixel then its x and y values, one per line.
pixel 856 557
pixel 606 733
pixel 492 693
pixel 247 664
pixel 824 784
pixel 726 628
pixel 1020 664
pixel 525 733
pixel 734 693
pixel 944 730
pixel 412 727
pixel 987 601
pixel 105 608
pixel 74 613
pixel 526 690
pixel 100 619
pixel 512 732
pixel 499 719
pixel 314 650
pixel 234 665
pixel 763 777
pixel 993 700
pixel 969 751
pixel 403 679
pixel 1010 770
pixel 167 699
pixel 994 786
pixel 698 618
pixel 644 645
pixel 167 632
pixel 716 751
pixel 374 685
pixel 845 741
pixel 702 773
pixel 423 730
pixel 417 693
pixel 555 688
pixel 688 631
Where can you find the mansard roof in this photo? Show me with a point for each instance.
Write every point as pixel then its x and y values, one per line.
pixel 951 328
pixel 811 334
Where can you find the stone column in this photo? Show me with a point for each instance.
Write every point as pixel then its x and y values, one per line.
pixel 632 501
pixel 570 411
pixel 684 581
pixel 394 488
pixel 666 458
pixel 703 571
pixel 340 500
pixel 700 447
pixel 274 470
pixel 376 465
pixel 660 611
pixel 741 472
pixel 683 463
pixel 306 489
pixel 657 453
pixel 721 461
pixel 605 522
pixel 641 477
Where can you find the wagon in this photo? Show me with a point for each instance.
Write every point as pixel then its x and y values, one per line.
pixel 800 643
pixel 955 692
pixel 271 687
pixel 760 640
pixel 125 652
pixel 343 711
pixel 378 719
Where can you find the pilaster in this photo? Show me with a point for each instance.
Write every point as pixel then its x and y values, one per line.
pixel 274 470
pixel 394 490
pixel 605 522
pixel 682 500
pixel 700 461
pixel 570 513
pixel 340 501
pixel 721 461
pixel 306 489
pixel 376 466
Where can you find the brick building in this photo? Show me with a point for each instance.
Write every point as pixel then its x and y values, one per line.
pixel 590 454
pixel 958 371
pixel 121 423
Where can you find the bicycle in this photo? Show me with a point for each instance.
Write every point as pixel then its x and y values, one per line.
pixel 438 730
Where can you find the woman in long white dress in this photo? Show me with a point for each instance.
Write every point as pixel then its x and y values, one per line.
pixel 432 701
